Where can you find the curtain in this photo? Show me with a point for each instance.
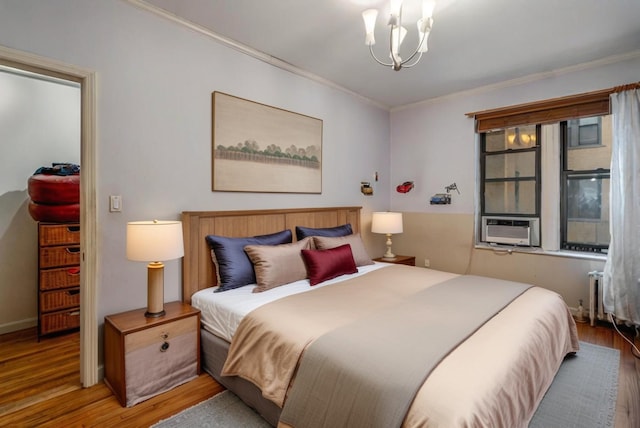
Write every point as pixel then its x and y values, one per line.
pixel 621 280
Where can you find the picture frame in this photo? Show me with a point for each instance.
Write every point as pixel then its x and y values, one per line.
pixel 260 148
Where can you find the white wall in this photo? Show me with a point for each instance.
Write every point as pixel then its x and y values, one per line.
pixel 434 144
pixel 39 125
pixel 155 80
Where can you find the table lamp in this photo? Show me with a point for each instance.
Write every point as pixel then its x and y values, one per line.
pixel 387 223
pixel 154 242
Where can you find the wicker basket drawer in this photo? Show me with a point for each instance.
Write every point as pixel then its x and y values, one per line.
pixel 58 321
pixel 59 256
pixel 60 299
pixel 52 279
pixel 59 234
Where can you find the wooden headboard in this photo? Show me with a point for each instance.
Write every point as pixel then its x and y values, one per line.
pixel 197 267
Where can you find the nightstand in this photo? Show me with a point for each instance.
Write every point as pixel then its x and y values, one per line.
pixel 144 357
pixel 399 260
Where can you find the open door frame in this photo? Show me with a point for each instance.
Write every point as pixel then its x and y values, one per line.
pixel 88 237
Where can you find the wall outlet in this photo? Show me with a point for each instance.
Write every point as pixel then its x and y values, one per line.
pixel 427 263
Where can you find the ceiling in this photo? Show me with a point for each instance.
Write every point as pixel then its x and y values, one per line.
pixel 473 42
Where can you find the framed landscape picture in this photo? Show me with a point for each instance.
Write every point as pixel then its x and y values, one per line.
pixel 259 148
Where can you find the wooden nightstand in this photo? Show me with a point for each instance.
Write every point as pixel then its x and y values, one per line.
pixel 399 260
pixel 144 357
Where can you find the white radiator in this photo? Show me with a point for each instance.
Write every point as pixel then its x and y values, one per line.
pixel 596 308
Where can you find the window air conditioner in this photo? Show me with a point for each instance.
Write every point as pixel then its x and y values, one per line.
pixel 511 230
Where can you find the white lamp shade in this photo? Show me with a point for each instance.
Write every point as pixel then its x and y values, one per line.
pixel 423 37
pixel 396 7
pixel 427 8
pixel 386 222
pixel 369 16
pixel 397 37
pixel 154 241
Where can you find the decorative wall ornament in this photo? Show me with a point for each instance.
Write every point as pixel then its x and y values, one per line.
pixel 405 187
pixel 365 188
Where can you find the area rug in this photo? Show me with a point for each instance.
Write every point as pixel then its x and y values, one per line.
pixel 582 395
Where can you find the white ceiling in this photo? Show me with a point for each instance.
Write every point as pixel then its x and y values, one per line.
pixel 473 42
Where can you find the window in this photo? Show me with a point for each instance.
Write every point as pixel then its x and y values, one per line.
pixel 560 179
pixel 586 148
pixel 583 132
pixel 510 169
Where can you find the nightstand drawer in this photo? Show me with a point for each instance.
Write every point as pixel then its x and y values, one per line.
pixel 159 334
pixel 59 299
pixel 160 358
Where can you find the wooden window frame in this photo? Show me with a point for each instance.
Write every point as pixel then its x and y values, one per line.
pixel 543 112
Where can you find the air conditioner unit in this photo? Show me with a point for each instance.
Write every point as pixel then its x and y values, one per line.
pixel 511 230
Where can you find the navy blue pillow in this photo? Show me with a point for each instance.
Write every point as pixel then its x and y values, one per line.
pixel 233 265
pixel 303 232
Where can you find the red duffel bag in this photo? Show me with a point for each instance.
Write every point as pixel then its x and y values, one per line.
pixel 50 189
pixel 69 213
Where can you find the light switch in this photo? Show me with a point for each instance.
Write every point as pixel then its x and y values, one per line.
pixel 115 203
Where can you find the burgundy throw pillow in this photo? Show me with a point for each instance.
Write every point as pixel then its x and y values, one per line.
pixel 323 265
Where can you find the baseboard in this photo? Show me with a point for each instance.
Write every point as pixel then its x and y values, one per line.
pixel 10 327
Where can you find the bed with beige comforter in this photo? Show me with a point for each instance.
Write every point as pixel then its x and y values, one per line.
pixel 493 373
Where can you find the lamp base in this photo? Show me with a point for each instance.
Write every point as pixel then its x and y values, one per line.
pixel 155 290
pixel 388 255
pixel 389 258
pixel 155 314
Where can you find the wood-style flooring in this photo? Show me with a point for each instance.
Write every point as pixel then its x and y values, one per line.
pixel 40 386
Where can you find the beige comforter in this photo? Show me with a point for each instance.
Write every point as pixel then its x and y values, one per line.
pixel 495 378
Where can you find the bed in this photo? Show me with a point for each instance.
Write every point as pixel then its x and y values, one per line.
pixel 491 374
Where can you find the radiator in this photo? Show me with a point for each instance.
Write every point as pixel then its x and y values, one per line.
pixel 596 308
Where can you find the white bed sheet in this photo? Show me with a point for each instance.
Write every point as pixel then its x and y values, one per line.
pixel 221 313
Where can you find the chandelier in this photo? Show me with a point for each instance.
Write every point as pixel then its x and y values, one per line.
pixel 397 33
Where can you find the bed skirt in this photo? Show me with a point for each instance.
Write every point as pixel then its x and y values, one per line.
pixel 214 354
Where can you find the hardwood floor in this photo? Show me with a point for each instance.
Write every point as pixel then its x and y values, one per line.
pixel 40 386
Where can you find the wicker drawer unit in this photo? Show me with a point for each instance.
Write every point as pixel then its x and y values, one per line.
pixel 59 277
pixel 147 356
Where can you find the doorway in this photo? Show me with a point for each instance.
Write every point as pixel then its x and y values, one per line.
pixel 88 265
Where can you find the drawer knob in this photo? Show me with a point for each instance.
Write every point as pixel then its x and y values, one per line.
pixel 164 347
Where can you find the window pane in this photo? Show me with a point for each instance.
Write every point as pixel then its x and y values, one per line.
pixel 510 197
pixel 521 137
pixel 588 209
pixel 589 144
pixel 510 165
